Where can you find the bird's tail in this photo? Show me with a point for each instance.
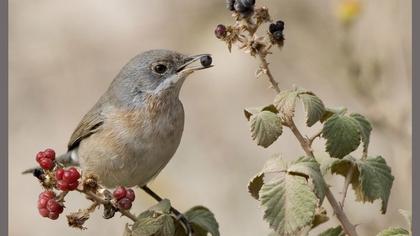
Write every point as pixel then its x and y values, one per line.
pixel 66 159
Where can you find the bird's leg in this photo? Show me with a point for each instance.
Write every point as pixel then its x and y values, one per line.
pixel 177 213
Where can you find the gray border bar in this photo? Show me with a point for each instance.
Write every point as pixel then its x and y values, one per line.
pixel 3 117
pixel 416 116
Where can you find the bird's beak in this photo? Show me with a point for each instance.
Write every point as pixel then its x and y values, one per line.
pixel 190 65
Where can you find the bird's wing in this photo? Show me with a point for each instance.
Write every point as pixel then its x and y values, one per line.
pixel 90 124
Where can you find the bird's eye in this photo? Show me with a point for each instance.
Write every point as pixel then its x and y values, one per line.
pixel 160 68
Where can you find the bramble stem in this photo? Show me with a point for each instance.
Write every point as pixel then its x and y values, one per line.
pixel 102 201
pixel 267 71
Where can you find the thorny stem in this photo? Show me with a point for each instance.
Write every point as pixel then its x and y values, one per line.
pixel 267 71
pixel 347 182
pixel 348 227
pixel 102 201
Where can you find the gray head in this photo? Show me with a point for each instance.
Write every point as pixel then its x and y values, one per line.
pixel 155 71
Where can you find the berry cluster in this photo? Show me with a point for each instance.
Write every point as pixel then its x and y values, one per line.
pixel 48 205
pixel 243 7
pixel 276 30
pixel 124 197
pixel 46 159
pixel 67 180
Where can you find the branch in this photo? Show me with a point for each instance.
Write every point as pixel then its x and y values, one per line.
pixel 104 202
pixel 311 139
pixel 266 70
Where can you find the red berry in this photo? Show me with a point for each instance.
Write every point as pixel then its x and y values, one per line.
pixel 53 215
pixel 220 31
pixel 72 186
pixel 43 212
pixel 40 156
pixel 59 174
pixel 42 203
pixel 63 185
pixel 50 154
pixel 53 206
pixel 46 164
pixel 47 195
pixel 130 194
pixel 124 203
pixel 75 175
pixel 120 193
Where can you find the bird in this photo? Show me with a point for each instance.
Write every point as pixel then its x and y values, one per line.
pixel 135 127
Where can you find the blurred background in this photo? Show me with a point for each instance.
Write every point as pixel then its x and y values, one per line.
pixel 64 54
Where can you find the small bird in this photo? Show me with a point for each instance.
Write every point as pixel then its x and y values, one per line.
pixel 135 127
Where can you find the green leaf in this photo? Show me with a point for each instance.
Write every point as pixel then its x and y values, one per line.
pixel 371 180
pixel 289 203
pixel 285 103
pixel 342 134
pixel 168 226
pixel 202 220
pixel 337 231
pixel 255 110
pixel 365 129
pixel 255 185
pixel 394 232
pixel 314 107
pixel 320 217
pixel 309 168
pixel 163 206
pixel 325 162
pixel 147 224
pixel 266 127
pixel 407 217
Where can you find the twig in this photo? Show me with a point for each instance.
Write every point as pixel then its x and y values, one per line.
pixel 311 139
pixel 102 201
pixel 266 70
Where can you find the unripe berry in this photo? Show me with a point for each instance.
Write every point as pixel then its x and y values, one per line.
pixel 75 175
pixel 72 186
pixel 54 206
pixel 49 153
pixel 40 156
pixel 47 195
pixel 124 203
pixel 53 215
pixel 220 31
pixel 130 194
pixel 43 212
pixel 59 173
pixel 63 185
pixel 46 164
pixel 42 203
pixel 120 193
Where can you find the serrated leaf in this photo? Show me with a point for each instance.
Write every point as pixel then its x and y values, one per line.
pixel 337 231
pixel 320 217
pixel 325 162
pixel 266 127
pixel 163 206
pixel 394 232
pixel 147 224
pixel 255 185
pixel 285 103
pixel 365 129
pixel 371 180
pixel 202 220
pixel 168 226
pixel 248 112
pixel 289 203
pixel 342 134
pixel 407 217
pixel 314 107
pixel 308 167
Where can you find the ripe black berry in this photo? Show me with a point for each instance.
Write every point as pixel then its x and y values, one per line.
pixel 243 8
pixel 248 3
pixel 280 24
pixel 230 5
pixel 220 31
pixel 278 35
pixel 206 61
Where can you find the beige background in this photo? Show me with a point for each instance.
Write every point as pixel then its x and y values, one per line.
pixel 64 54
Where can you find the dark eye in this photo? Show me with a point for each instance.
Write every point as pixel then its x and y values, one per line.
pixel 160 68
